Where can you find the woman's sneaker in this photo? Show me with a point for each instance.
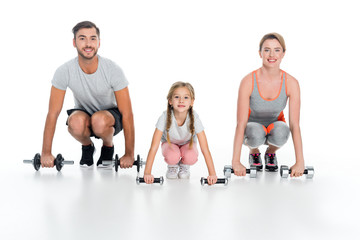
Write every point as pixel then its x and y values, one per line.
pixel 172 171
pixel 255 161
pixel 87 159
pixel 184 171
pixel 271 163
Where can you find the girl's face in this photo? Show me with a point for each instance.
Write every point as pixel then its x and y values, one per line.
pixel 181 100
pixel 271 53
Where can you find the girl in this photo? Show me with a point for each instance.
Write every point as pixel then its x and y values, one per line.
pixel 177 129
pixel 260 120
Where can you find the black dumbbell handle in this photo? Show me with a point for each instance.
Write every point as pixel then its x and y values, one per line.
pixel 156 180
pixel 247 171
pixel 218 181
pixel 305 171
pixel 116 161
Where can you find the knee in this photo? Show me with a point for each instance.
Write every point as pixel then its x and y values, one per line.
pixel 171 153
pixel 78 123
pixel 279 134
pixel 101 122
pixel 189 156
pixel 255 135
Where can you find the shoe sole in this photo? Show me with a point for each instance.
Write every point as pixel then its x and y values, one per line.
pixel 175 177
pixel 186 177
pixel 258 168
pixel 104 166
pixel 271 169
pixel 86 166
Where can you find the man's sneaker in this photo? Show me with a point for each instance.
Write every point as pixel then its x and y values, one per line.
pixel 271 162
pixel 87 155
pixel 172 171
pixel 255 161
pixel 184 171
pixel 106 154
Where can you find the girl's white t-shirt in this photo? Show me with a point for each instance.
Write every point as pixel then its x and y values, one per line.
pixel 179 135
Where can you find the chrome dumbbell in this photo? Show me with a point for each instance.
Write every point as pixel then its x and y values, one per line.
pixel 156 180
pixel 59 162
pixel 285 171
pixel 224 181
pixel 228 170
pixel 116 163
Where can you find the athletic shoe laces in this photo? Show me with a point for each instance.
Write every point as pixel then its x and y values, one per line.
pixel 271 158
pixel 184 168
pixel 172 169
pixel 256 158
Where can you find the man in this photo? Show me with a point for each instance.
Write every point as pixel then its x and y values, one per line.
pixel 102 101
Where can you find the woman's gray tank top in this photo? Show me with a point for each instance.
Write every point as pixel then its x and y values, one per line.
pixel 265 111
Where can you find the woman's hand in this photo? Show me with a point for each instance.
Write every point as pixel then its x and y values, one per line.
pixel 239 169
pixel 297 170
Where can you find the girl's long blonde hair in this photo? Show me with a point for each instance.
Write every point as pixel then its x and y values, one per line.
pixel 169 108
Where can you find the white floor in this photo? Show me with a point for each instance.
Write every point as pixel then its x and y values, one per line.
pixel 213 45
pixel 89 204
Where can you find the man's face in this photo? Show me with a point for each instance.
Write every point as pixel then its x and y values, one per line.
pixel 87 43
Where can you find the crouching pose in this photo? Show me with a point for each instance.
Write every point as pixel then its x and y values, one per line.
pixel 102 102
pixel 178 129
pixel 263 95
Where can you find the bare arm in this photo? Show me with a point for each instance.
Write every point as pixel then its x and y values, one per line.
pixel 207 155
pixel 243 106
pixel 151 156
pixel 55 105
pixel 124 105
pixel 293 89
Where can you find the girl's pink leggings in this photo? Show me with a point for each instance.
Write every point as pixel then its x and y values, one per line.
pixel 174 153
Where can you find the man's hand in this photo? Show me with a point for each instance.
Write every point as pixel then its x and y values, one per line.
pixel 47 160
pixel 126 161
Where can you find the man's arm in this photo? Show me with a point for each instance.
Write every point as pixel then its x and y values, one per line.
pixel 55 105
pixel 124 105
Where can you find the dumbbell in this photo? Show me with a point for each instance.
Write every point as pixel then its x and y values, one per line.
pixel 156 180
pixel 285 171
pixel 59 162
pixel 224 181
pixel 116 163
pixel 228 171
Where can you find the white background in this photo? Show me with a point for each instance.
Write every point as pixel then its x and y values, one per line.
pixel 213 45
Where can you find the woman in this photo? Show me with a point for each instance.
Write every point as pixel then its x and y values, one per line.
pixel 260 120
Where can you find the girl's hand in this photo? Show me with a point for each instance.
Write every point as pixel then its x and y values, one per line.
pixel 148 178
pixel 297 170
pixel 212 179
pixel 239 169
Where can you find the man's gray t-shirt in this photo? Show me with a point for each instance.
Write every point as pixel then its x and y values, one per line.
pixel 92 92
pixel 179 135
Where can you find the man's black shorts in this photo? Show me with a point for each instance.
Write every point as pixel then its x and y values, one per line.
pixel 114 111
